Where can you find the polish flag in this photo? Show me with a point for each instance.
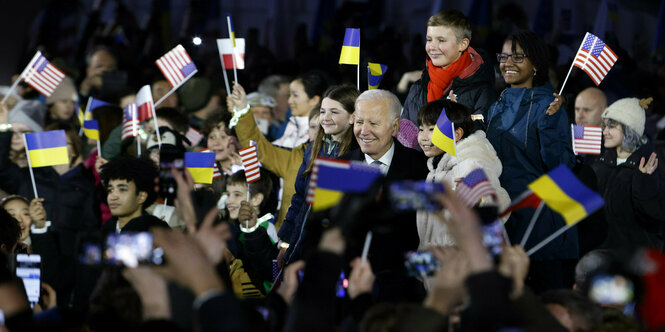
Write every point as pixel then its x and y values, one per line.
pixel 225 47
pixel 144 104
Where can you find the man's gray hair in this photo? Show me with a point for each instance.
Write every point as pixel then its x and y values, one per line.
pixel 270 85
pixel 394 105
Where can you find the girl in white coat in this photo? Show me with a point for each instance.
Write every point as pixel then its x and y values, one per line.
pixel 473 151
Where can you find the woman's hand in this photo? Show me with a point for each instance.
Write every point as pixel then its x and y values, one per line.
pixel 99 162
pixel 650 165
pixel 554 105
pixel 238 96
pixel 37 212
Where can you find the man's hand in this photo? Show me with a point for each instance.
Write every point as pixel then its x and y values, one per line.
pixel 247 215
pixel 448 287
pixel 37 212
pixel 514 265
pixel 361 279
pixel 183 202
pixel 212 238
pixel 152 291
pixel 333 241
pixel 287 290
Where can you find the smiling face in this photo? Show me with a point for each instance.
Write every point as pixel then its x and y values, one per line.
pixel 18 209
pixel 62 109
pixel 18 129
pixel 299 102
pixel 612 133
pixel 374 127
pixel 516 75
pixel 237 192
pixel 219 143
pixel 123 199
pixel 425 140
pixel 334 118
pixel 442 46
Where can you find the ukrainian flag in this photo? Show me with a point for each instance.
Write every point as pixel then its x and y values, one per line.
pixel 336 177
pixel 47 148
pixel 375 74
pixel 444 134
pixel 232 33
pixel 565 194
pixel 92 104
pixel 91 129
pixel 200 165
pixel 350 47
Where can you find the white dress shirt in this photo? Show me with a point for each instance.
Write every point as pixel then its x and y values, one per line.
pixel 385 160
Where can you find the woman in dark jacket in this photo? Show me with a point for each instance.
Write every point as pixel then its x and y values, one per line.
pixel 531 138
pixel 452 66
pixel 628 179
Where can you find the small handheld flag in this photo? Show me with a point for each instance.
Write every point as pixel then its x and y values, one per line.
pixel 525 200
pixel 595 58
pixel 375 72
pixel 177 66
pixel 200 165
pixel 92 104
pixel 144 104
pixel 130 122
pixel 216 174
pixel 336 177
pixel 444 134
pixel 565 194
pixel 47 148
pixel 250 161
pixel 91 129
pixel 586 139
pixel 350 47
pixel 232 36
pixel 226 51
pixel 474 187
pixel 42 75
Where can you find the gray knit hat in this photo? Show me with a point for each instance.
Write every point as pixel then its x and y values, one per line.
pixel 30 113
pixel 629 112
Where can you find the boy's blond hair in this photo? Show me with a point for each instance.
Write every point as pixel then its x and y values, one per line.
pixel 455 20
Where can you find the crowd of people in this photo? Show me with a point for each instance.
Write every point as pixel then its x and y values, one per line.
pixel 245 255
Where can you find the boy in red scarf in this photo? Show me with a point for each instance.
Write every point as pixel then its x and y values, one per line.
pixel 454 69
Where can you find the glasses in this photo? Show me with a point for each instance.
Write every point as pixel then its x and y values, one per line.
pixel 517 58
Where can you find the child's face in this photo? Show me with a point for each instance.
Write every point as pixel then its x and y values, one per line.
pixel 442 46
pixel 237 193
pixel 19 210
pixel 425 140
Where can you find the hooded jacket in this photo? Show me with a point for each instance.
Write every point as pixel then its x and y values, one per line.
pixel 473 152
pixel 530 143
pixel 474 88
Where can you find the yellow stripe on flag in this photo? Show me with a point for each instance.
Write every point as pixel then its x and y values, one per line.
pixel 324 199
pixel 49 157
pixel 443 142
pixel 91 133
pixel 557 200
pixel 350 55
pixel 201 174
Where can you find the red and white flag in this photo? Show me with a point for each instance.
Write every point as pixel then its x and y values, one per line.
pixel 474 187
pixel 216 174
pixel 177 66
pixel 586 139
pixel 144 104
pixel 130 122
pixel 42 75
pixel 250 161
pixel 225 46
pixel 595 58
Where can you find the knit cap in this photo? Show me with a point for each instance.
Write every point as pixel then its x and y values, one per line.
pixel 408 134
pixel 629 112
pixel 66 90
pixel 30 113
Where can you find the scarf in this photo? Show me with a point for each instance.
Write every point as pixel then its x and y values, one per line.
pixel 440 78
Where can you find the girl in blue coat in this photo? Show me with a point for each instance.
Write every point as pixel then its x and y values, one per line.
pixel 531 138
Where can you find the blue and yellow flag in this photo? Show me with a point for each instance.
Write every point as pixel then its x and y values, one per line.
pixel 87 113
pixel 200 165
pixel 444 134
pixel 232 33
pixel 91 129
pixel 334 178
pixel 375 72
pixel 47 148
pixel 565 194
pixel 350 47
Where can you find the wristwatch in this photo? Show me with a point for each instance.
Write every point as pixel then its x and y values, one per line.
pixel 5 127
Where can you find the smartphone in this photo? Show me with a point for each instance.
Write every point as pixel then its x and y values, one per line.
pixel 493 237
pixel 415 195
pixel 28 268
pixel 611 290
pixel 421 263
pixel 132 249
pixel 169 158
pixel 112 83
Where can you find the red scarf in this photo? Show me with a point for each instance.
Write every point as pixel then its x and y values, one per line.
pixel 440 78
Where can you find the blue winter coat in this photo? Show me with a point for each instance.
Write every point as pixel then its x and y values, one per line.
pixel 529 144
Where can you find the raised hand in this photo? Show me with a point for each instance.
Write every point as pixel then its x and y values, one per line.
pixel 555 105
pixel 650 165
pixel 287 290
pixel 37 212
pixel 212 238
pixel 514 265
pixel 152 291
pixel 238 96
pixel 361 279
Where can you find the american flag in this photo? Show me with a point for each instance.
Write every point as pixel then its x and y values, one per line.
pixel 177 66
pixel 216 174
pixel 474 187
pixel 144 103
pixel 42 75
pixel 595 58
pixel 586 139
pixel 130 122
pixel 250 161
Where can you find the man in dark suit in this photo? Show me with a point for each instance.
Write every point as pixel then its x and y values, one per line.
pixel 375 126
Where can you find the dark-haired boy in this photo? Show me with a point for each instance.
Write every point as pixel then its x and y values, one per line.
pixel 129 186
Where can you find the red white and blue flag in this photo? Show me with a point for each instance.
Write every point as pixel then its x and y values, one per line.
pixel 595 58
pixel 474 187
pixel 586 139
pixel 177 66
pixel 250 161
pixel 130 122
pixel 42 75
pixel 216 174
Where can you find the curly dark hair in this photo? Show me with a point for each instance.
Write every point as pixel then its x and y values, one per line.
pixel 10 231
pixel 457 113
pixel 140 171
pixel 536 51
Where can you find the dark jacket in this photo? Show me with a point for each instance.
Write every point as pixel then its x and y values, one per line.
pixel 142 223
pixel 634 201
pixel 530 144
pixel 70 200
pixel 474 88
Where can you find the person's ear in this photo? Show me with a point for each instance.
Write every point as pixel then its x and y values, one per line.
pixel 256 200
pixel 463 44
pixel 459 132
pixel 395 127
pixel 142 197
